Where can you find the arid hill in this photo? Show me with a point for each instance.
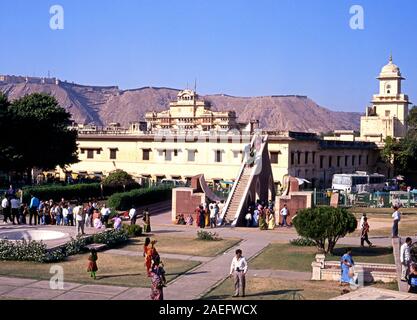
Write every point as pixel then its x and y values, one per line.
pixel 103 105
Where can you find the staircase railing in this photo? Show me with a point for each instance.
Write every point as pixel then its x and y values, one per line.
pixel 254 169
pixel 232 192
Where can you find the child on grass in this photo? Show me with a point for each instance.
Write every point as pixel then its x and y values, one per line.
pixel 92 263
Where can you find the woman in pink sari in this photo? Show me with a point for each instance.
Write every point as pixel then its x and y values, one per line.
pixel 158 280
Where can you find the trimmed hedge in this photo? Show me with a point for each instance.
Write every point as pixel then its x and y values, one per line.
pixel 139 197
pixel 85 191
pixel 37 251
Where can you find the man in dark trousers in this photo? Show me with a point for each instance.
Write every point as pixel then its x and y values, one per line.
pixel 33 210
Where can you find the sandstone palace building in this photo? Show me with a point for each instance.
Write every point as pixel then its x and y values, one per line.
pixel 190 139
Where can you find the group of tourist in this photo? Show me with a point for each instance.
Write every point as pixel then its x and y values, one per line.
pixel 408 267
pixel 58 213
pixel 206 215
pixel 262 215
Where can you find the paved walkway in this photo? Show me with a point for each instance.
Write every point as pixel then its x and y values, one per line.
pixel 195 284
pixel 17 288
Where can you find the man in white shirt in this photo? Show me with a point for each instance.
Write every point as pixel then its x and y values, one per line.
pixel 362 222
pixel 396 216
pixel 405 258
pixel 132 216
pixel 15 205
pixel 105 214
pixel 284 214
pixel 213 215
pixel 238 270
pixel 79 218
pixel 5 207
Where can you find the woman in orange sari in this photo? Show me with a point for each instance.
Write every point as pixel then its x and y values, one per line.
pixel 147 254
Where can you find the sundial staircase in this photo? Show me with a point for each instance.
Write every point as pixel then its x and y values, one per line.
pixel 244 188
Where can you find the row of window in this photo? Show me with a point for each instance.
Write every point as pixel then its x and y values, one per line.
pixel 340 161
pixel 167 154
pixel 310 157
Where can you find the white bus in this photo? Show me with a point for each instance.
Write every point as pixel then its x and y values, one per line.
pixel 358 182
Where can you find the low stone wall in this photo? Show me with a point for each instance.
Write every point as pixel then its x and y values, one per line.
pixel 368 272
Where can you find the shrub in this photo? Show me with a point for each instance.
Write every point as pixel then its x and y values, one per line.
pixel 22 250
pixel 324 225
pixel 137 197
pixel 77 245
pixel 121 179
pixel 302 242
pixel 111 237
pixel 37 251
pixel 207 236
pixel 133 230
pixel 84 191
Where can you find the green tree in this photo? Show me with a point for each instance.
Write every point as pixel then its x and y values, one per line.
pixel 402 154
pixel 38 134
pixel 119 178
pixel 7 148
pixel 324 225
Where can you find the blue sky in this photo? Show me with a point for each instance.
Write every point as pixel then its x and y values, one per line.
pixel 238 47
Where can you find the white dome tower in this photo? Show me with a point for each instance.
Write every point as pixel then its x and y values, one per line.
pixel 387 117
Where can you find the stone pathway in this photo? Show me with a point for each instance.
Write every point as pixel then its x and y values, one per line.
pixel 17 288
pixel 368 293
pixel 196 283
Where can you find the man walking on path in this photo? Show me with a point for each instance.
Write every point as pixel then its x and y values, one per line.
pixel 364 233
pixel 405 258
pixel 238 270
pixel 396 216
pixel 284 214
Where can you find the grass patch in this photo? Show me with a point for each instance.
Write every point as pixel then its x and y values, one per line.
pixel 279 256
pixel 382 211
pixel 406 228
pixel 389 286
pixel 277 289
pixel 113 270
pixel 185 245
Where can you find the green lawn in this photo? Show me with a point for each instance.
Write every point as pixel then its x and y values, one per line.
pixel 382 211
pixel 113 270
pixel 279 256
pixel 185 245
pixel 278 289
pixel 406 228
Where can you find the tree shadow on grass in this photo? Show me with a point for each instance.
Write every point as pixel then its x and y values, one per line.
pixel 364 252
pixel 282 295
pixel 185 273
pixel 107 276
